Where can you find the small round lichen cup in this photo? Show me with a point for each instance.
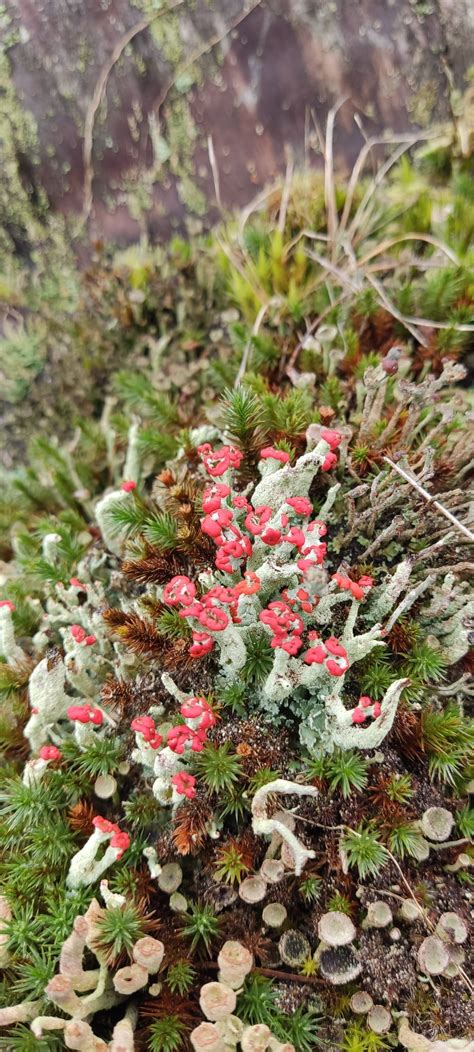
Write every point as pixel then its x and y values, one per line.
pixel 272 870
pixel 294 947
pixel 217 1001
pixel 433 955
pixel 379 915
pixel 452 928
pixel 361 1002
pixel 379 1019
pixel 252 890
pixel 336 929
pixel 206 1038
pixel 256 1038
pixel 149 953
pixel 436 823
pixel 274 915
pixel 235 962
pixel 170 877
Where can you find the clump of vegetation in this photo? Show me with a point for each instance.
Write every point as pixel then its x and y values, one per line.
pixel 234 639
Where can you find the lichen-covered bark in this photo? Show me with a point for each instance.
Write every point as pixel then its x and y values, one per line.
pixel 255 76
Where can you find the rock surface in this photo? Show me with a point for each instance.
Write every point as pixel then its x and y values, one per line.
pixel 257 77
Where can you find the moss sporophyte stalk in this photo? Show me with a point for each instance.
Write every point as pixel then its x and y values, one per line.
pixel 235 645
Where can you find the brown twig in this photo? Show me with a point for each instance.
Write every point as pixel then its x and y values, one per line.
pixel 274 973
pixel 291 977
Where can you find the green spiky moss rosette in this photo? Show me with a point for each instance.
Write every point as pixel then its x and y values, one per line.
pixel 235 673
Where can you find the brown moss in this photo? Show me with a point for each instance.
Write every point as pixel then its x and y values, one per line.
pixel 190 832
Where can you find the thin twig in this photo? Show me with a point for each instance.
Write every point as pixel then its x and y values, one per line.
pixel 390 895
pixel 424 493
pixel 449 844
pixel 200 51
pixel 272 973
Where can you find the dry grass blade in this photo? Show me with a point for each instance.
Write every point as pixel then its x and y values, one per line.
pixel 335 271
pixel 435 503
pixel 248 347
pixel 354 273
pixel 427 238
pixel 329 181
pixel 255 205
pixel 368 199
pixel 215 171
pixel 409 324
pixel 408 140
pixel 285 197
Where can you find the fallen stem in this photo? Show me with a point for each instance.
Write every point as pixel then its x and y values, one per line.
pixel 273 973
pixel 449 843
